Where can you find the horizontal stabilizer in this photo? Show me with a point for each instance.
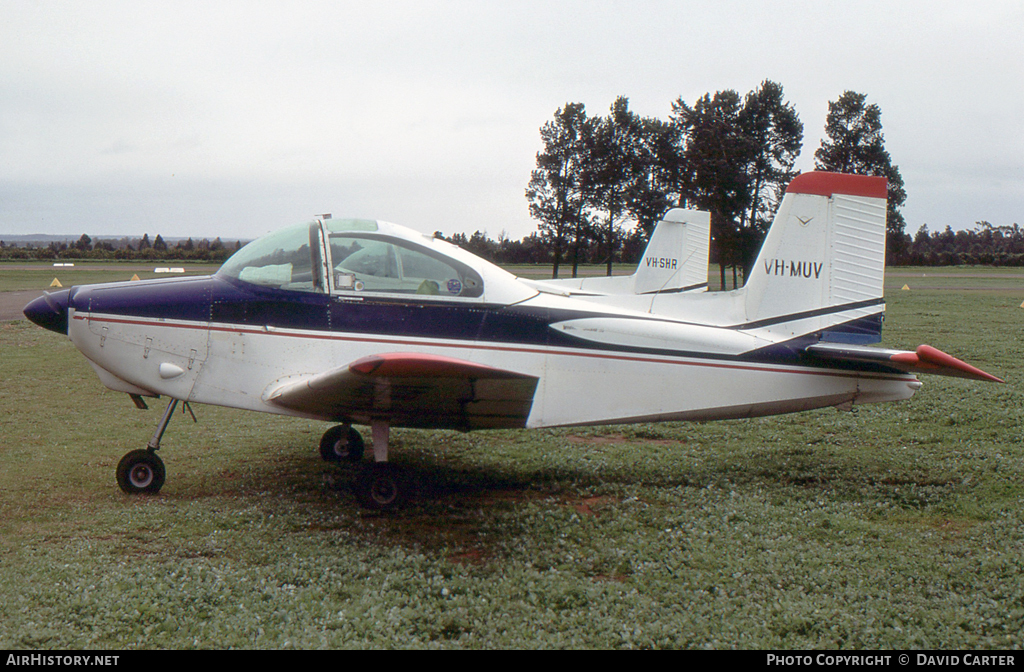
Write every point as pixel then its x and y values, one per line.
pixel 925 359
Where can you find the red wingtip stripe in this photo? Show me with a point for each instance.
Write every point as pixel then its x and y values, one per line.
pixel 402 364
pixel 820 183
pixel 935 356
pixel 927 357
pixel 907 358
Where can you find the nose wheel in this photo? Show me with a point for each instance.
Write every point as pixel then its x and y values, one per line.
pixel 380 485
pixel 141 471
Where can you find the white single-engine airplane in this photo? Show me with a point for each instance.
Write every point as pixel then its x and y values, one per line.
pixel 363 322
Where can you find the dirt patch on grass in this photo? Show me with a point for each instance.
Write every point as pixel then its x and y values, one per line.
pixel 460 532
pixel 473 556
pixel 591 506
pixel 599 440
pixel 612 439
pixel 952 527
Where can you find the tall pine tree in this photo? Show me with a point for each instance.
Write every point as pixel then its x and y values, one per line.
pixel 854 143
pixel 712 168
pixel 616 173
pixel 557 189
pixel 777 134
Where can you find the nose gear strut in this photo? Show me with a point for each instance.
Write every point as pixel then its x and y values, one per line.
pixel 142 471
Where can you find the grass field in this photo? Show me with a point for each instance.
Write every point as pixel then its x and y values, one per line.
pixel 900 525
pixel 18 276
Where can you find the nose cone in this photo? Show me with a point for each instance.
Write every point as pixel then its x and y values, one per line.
pixel 50 311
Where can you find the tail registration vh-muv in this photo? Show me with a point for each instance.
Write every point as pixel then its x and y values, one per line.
pixel 361 322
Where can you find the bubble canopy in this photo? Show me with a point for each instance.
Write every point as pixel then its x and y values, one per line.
pixel 357 255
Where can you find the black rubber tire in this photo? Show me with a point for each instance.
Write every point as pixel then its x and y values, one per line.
pixel 382 486
pixel 141 472
pixel 342 442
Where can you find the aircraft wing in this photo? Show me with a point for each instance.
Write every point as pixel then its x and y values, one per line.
pixel 412 390
pixel 925 359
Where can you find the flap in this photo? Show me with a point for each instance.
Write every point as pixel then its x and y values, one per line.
pixel 411 390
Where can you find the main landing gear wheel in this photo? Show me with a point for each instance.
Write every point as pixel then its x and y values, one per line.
pixel 342 442
pixel 141 471
pixel 382 487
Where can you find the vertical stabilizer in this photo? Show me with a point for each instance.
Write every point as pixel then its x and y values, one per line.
pixel 676 258
pixel 823 261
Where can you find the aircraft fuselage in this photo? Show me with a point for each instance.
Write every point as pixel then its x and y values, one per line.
pixel 215 341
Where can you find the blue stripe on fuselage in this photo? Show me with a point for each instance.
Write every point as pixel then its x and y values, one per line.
pixel 174 298
pixel 218 300
pixel 213 299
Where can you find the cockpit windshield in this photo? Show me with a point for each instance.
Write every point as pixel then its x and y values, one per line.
pixel 281 259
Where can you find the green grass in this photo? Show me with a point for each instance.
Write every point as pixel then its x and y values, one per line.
pixel 896 526
pixel 15 276
pixel 962 279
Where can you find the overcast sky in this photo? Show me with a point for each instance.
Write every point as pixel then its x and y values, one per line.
pixel 233 119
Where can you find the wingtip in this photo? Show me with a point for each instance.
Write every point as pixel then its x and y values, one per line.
pixel 928 355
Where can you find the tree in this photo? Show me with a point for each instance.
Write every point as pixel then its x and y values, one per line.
pixel 480 245
pixel 854 143
pixel 711 167
pixel 651 192
pixel 776 133
pixel 556 191
pixel 629 178
pixel 84 243
pixel 614 168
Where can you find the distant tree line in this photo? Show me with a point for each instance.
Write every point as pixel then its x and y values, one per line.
pixel 985 245
pixel 125 248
